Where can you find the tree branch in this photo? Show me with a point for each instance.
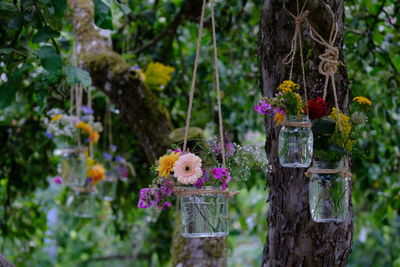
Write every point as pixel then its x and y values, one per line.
pixel 149 120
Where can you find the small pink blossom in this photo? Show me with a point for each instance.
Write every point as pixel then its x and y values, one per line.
pixel 187 169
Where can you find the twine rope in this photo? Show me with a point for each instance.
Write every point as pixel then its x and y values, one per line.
pixel 343 172
pixel 329 59
pixel 297 124
pixel 297 41
pixel 217 85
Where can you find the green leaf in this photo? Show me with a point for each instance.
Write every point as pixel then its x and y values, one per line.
pixel 6 51
pixel 77 75
pixel 59 7
pixel 49 58
pixel 9 89
pixel 102 15
pixel 44 34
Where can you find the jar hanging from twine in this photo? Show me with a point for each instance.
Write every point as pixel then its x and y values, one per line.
pixel 295 142
pixel 329 192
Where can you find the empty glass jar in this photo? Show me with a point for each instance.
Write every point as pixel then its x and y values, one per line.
pixel 82 202
pixel 329 194
pixel 295 144
pixel 73 166
pixel 108 187
pixel 204 215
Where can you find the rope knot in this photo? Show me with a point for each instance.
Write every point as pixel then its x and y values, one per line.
pixel 299 18
pixel 329 61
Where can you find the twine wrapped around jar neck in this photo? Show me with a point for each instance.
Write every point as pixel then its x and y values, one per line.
pixel 297 121
pixel 344 171
pixel 84 189
pixel 187 191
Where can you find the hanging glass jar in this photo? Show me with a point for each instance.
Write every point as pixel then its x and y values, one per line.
pixel 204 215
pixel 108 187
pixel 295 144
pixel 328 193
pixel 73 166
pixel 82 202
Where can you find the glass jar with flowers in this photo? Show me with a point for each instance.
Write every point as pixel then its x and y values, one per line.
pixel 295 142
pixel 108 187
pixel 336 135
pixel 200 184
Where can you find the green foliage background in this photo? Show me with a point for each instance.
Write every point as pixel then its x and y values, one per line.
pixel 36 45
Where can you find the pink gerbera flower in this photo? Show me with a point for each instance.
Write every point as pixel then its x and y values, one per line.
pixel 187 169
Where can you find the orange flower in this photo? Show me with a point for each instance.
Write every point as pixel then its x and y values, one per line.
pixel 94 137
pixel 84 126
pixel 97 173
pixel 278 118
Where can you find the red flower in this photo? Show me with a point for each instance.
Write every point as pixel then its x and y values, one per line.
pixel 317 108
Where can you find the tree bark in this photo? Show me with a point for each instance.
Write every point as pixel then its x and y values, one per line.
pixel 140 108
pixel 293 238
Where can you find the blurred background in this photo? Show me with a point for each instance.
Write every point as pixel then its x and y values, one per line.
pixel 37 224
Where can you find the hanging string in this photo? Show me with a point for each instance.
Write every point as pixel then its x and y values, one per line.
pixel 329 59
pixel 192 87
pixel 191 94
pixel 108 124
pixel 297 41
pixel 221 125
pixel 343 171
pixel 89 105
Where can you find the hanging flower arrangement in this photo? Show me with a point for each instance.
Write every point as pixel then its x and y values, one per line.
pixel 186 174
pixel 336 136
pixel 295 148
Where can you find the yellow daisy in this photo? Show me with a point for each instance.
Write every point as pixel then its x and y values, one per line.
pixel 288 86
pixel 166 164
pixel 56 117
pixel 362 100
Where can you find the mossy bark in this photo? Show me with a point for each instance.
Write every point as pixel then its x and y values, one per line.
pixel 293 238
pixel 150 121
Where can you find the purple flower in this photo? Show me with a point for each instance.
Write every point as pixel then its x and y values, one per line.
pixel 177 150
pixel 219 172
pixel 113 148
pixel 48 135
pixel 123 171
pixel 229 149
pixel 57 180
pixel 223 175
pixel 107 156
pixel 156 197
pixel 87 110
pixel 137 67
pixel 119 158
pixel 279 110
pixel 264 108
pixel 85 118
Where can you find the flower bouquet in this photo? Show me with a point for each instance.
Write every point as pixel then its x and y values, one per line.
pixel 335 136
pixel 295 137
pixel 201 184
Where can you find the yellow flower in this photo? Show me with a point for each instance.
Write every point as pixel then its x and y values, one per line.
pixel 84 126
pixel 288 86
pixel 342 138
pixel 362 100
pixel 166 164
pixel 278 118
pixel 89 161
pixel 94 137
pixel 158 74
pixel 56 117
pixel 97 173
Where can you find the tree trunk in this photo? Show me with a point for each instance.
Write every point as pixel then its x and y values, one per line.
pixel 140 108
pixel 293 238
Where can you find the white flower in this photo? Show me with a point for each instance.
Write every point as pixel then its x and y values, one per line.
pixel 187 169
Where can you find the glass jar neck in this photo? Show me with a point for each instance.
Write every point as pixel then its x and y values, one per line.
pixel 328 164
pixel 297 118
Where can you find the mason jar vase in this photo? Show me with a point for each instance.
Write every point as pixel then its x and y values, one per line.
pixel 108 187
pixel 204 215
pixel 82 202
pixel 295 143
pixel 329 194
pixel 73 166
